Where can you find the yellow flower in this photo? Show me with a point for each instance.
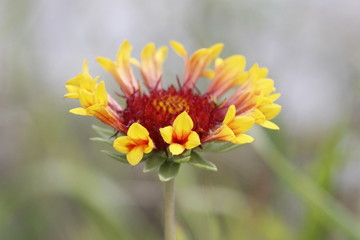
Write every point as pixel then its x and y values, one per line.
pixel 233 128
pixel 121 69
pixel 177 118
pixel 93 99
pixel 180 135
pixel 228 73
pixel 196 64
pixel 151 65
pixel 256 97
pixel 135 144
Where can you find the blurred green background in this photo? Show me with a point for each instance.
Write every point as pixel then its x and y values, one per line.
pixel 301 182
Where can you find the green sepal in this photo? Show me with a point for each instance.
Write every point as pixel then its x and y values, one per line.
pixel 199 162
pixel 183 158
pixel 153 162
pixel 117 156
pixel 219 147
pixel 102 140
pixel 104 132
pixel 168 171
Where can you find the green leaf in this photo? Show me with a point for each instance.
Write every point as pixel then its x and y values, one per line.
pixel 199 162
pixel 153 163
pixel 228 147
pixel 168 171
pixel 183 158
pixel 104 132
pixel 219 147
pixel 102 140
pixel 117 156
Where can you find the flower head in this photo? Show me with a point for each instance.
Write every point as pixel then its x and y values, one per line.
pixel 135 144
pixel 175 119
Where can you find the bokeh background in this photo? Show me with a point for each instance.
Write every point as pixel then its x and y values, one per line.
pixel 301 182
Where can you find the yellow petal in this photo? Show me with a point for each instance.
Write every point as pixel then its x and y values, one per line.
pixel 124 51
pixel 208 74
pixel 269 125
pixel 222 133
pixel 135 62
pixel 85 66
pixel 242 139
pixel 218 62
pixel 183 125
pixel 176 148
pixel 258 115
pixel 274 97
pixel 79 111
pixel 167 133
pixel 148 53
pixel 72 88
pixel 150 146
pixel 193 140
pixel 86 98
pixel 123 144
pixel 230 114
pixel 178 48
pixel 135 155
pixel 160 54
pixel 106 63
pixel 270 111
pixel 72 95
pixel 216 49
pixel 137 131
pixel 241 124
pixel 101 94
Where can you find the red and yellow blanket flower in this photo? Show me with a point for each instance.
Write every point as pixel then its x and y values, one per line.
pixel 167 126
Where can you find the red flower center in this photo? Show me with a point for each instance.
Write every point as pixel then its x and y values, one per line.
pixel 159 108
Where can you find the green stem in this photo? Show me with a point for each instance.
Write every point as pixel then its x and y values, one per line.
pixel 169 229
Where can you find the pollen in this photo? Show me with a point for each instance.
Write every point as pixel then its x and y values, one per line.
pixel 170 104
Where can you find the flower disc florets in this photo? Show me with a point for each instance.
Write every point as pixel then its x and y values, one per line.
pixel 173 120
pixel 159 109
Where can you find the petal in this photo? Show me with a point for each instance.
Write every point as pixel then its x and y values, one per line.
pixel 208 74
pixel 183 125
pixel 242 139
pixel 160 54
pixel 178 48
pixel 79 111
pixel 216 50
pixel 86 98
pixel 107 64
pixel 193 140
pixel 137 131
pixel 72 95
pixel 167 133
pixel 222 133
pixel 230 114
pixel 274 97
pixel 72 88
pixel 270 111
pixel 241 124
pixel 176 148
pixel 269 125
pixel 135 155
pixel 101 94
pixel 150 146
pixel 123 144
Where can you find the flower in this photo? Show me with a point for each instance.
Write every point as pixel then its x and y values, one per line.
pixel 179 135
pixel 175 119
pixel 135 144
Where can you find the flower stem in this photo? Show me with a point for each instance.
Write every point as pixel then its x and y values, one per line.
pixel 169 228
